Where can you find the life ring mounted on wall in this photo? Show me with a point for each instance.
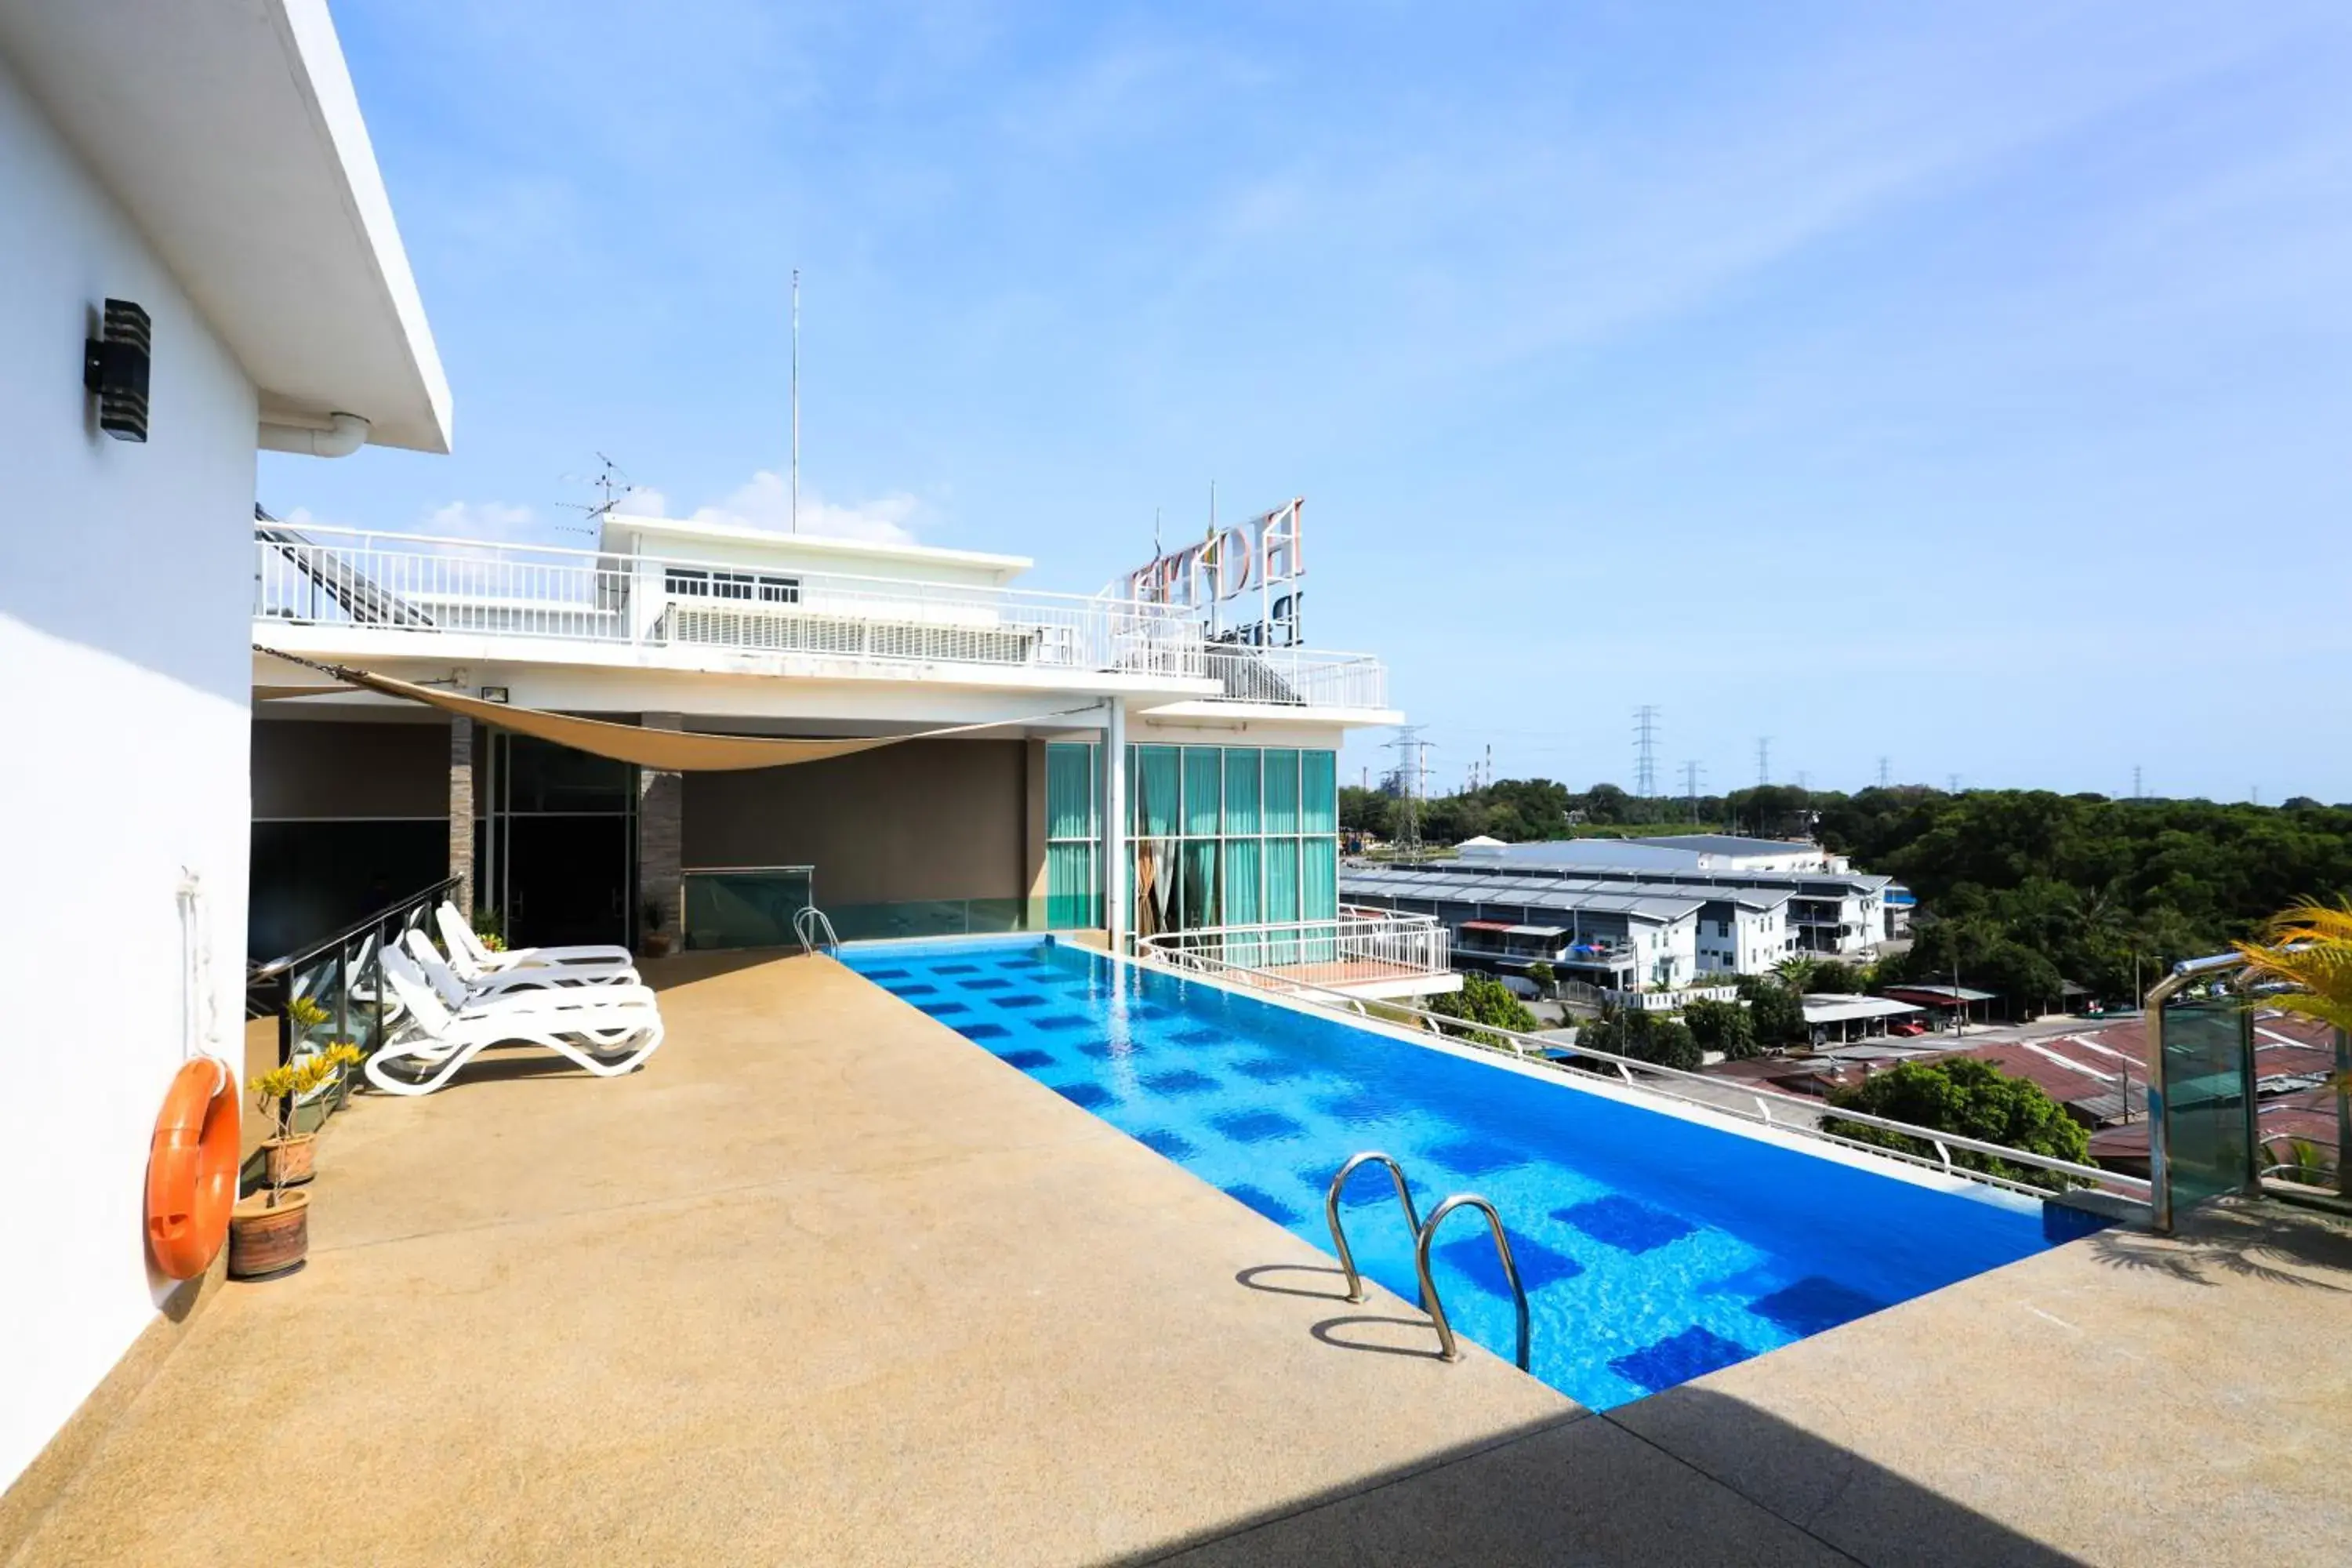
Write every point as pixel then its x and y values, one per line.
pixel 191 1168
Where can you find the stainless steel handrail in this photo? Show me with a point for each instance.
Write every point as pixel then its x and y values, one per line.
pixel 1724 1092
pixel 808 923
pixel 1446 1347
pixel 1339 1234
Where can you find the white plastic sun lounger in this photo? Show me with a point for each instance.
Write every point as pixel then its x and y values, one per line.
pixel 455 991
pixel 467 953
pixel 607 1035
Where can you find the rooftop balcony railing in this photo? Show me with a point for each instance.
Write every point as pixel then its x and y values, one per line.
pixel 1359 947
pixel 423 584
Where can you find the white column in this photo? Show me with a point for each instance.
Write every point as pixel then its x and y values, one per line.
pixel 1114 823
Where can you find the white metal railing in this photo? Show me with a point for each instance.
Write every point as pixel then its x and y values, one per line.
pixel 1298 676
pixel 417 582
pixel 1356 948
pixel 1728 1097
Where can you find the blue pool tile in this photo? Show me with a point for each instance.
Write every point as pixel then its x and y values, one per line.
pixel 1255 1126
pixel 993 983
pixel 1625 1224
pixel 1091 1096
pixel 1265 1202
pixel 886 974
pixel 1814 1303
pixel 982 1031
pixel 1357 1105
pixel 1198 1037
pixel 1061 1021
pixel 1101 1050
pixel 1018 964
pixel 955 968
pixel 1538 1265
pixel 1022 1000
pixel 943 1009
pixel 912 990
pixel 1174 1145
pixel 1269 1069
pixel 1183 1080
pixel 1025 1059
pixel 1477 1157
pixel 1151 1012
pixel 1692 1353
pixel 2061 1223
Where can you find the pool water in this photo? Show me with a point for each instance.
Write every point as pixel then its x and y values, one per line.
pixel 1654 1249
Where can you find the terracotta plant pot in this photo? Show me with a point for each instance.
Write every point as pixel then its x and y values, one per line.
pixel 291 1161
pixel 267 1240
pixel 654 944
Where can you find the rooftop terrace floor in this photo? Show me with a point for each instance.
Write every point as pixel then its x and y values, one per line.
pixel 826 1283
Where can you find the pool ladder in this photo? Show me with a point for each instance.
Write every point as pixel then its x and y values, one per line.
pixel 815 929
pixel 1425 1231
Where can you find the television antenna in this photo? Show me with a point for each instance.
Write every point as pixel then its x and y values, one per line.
pixel 613 486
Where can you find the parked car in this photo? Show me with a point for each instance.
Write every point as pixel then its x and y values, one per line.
pixel 1907 1027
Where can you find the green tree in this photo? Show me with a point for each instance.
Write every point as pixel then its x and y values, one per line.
pixel 1644 1037
pixel 1483 1000
pixel 1723 1027
pixel 1544 976
pixel 1973 1098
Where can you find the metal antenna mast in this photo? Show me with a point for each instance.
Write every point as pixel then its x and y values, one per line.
pixel 1645 751
pixel 796 400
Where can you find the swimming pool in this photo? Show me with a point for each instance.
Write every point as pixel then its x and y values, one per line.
pixel 1654 1247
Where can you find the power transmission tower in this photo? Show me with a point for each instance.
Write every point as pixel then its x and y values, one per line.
pixel 1952 784
pixel 1690 788
pixel 1886 778
pixel 2135 794
pixel 1804 780
pixel 1645 751
pixel 1412 782
pixel 1763 761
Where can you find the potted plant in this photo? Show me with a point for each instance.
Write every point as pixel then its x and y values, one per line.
pixel 269 1233
pixel 656 941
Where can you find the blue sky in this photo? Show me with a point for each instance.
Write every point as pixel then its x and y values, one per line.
pixel 1963 384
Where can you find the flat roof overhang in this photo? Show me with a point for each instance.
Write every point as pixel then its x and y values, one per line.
pixel 229 132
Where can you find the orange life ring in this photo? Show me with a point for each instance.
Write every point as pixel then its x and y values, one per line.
pixel 191 1168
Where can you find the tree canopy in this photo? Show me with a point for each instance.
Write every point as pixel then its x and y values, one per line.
pixel 1484 1000
pixel 1973 1098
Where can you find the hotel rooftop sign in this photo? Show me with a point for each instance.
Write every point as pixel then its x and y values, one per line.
pixel 1262 554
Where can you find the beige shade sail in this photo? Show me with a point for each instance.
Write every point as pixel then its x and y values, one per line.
pixel 667 751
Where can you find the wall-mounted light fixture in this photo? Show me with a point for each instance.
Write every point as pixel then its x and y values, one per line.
pixel 114 370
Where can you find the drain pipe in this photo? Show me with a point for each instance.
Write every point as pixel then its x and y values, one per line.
pixel 344 434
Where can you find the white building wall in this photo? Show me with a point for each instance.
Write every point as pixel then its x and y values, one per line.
pixel 124 593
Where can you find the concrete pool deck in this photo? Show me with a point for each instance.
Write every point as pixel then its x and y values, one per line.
pixel 826 1283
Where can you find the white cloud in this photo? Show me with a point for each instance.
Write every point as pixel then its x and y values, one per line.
pixel 766 501
pixel 491 520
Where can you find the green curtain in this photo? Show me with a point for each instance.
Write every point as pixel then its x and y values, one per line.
pixel 1203 768
pixel 1069 791
pixel 1155 786
pixel 1241 889
pixel 1198 897
pixel 1318 897
pixel 1072 900
pixel 1318 789
pixel 1281 896
pixel 1281 792
pixel 1240 791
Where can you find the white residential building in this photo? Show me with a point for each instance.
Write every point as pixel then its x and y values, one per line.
pixel 196 223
